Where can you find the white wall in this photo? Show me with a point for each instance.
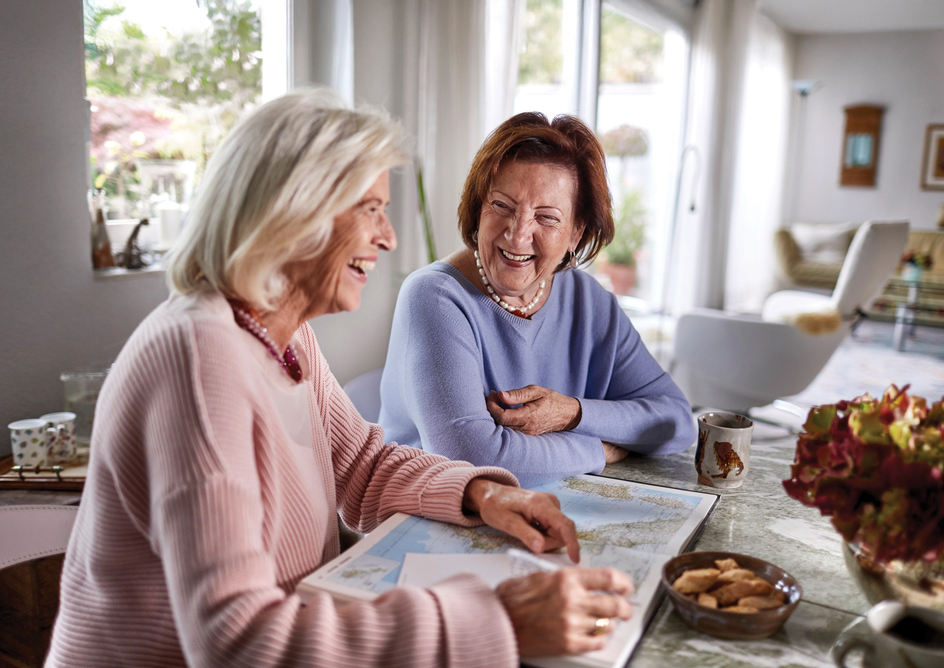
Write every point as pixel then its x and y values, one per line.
pixel 54 314
pixel 904 71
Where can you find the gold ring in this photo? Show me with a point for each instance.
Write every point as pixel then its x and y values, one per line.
pixel 600 626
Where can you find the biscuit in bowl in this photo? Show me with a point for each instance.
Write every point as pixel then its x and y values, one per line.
pixel 729 595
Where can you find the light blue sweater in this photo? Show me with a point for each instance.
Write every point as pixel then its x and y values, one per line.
pixel 451 345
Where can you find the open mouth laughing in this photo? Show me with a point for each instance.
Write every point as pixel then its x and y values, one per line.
pixel 516 258
pixel 362 266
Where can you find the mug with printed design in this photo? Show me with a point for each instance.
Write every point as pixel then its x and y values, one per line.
pixel 723 455
pixel 30 440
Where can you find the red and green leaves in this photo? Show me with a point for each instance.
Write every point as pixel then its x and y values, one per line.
pixel 876 467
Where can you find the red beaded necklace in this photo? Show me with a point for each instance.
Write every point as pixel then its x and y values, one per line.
pixel 288 360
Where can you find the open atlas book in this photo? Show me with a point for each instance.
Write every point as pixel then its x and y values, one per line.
pixel 626 525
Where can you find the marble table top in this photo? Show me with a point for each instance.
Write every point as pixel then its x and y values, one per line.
pixel 758 519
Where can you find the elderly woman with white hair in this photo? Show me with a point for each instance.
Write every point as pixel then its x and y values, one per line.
pixel 224 449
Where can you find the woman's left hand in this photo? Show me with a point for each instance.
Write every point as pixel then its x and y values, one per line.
pixel 543 410
pixel 535 518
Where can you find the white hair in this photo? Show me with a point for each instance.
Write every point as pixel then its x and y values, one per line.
pixel 272 190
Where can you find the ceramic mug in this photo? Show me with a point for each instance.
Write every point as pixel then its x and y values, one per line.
pixel 62 439
pixel 30 440
pixel 723 456
pixel 895 635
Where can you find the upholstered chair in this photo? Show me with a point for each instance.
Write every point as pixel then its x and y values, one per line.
pixel 736 361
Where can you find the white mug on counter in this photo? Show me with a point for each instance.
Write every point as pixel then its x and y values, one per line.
pixel 43 441
pixel 62 437
pixel 30 440
pixel 895 635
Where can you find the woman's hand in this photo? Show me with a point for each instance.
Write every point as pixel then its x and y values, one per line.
pixel 613 453
pixel 556 613
pixel 535 518
pixel 543 410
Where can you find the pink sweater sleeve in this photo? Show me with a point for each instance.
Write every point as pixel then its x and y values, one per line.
pixel 210 529
pixel 230 611
pixel 375 480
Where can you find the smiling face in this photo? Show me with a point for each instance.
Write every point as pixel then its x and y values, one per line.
pixel 335 283
pixel 526 227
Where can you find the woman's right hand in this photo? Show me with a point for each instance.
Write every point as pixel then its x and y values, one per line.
pixel 613 453
pixel 556 613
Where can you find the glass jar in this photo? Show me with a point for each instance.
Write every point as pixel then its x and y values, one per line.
pixel 81 392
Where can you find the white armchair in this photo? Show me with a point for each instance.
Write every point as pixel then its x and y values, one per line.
pixel 737 362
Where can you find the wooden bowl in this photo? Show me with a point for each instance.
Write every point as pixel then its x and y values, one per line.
pixel 732 625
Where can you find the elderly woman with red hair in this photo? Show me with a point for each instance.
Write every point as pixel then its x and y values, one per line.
pixel 505 353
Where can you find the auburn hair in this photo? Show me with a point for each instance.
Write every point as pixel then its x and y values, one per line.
pixel 567 142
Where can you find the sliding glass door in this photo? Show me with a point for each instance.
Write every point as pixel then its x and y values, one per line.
pixel 622 67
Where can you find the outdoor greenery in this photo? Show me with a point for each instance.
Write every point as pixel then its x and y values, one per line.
pixel 212 67
pixel 629 51
pixel 630 230
pixel 166 96
pixel 541 60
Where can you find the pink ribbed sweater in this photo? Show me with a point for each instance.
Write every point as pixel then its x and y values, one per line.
pixel 196 525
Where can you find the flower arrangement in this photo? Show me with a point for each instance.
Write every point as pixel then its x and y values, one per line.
pixel 916 259
pixel 877 468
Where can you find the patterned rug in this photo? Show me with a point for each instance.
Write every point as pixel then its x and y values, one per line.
pixel 868 362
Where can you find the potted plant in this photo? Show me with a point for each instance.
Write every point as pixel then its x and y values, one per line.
pixel 625 141
pixel 877 468
pixel 628 238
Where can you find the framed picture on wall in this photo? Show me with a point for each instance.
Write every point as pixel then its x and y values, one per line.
pixel 860 145
pixel 932 168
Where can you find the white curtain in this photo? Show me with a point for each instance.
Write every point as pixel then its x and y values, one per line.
pixel 461 69
pixel 322 45
pixel 736 139
pixel 760 167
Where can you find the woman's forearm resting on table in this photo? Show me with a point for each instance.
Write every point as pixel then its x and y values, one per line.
pixel 651 425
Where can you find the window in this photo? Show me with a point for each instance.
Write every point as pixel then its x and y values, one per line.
pixel 166 81
pixel 548 57
pixel 623 69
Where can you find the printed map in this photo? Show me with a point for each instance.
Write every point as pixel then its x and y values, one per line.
pixel 621 524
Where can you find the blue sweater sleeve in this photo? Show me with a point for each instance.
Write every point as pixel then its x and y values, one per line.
pixel 433 394
pixel 641 407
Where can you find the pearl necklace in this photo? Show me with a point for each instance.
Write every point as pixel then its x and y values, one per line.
pixel 288 360
pixel 501 302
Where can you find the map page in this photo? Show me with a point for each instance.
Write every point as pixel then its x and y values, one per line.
pixel 630 526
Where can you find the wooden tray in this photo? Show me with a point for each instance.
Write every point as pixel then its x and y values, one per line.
pixel 71 479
